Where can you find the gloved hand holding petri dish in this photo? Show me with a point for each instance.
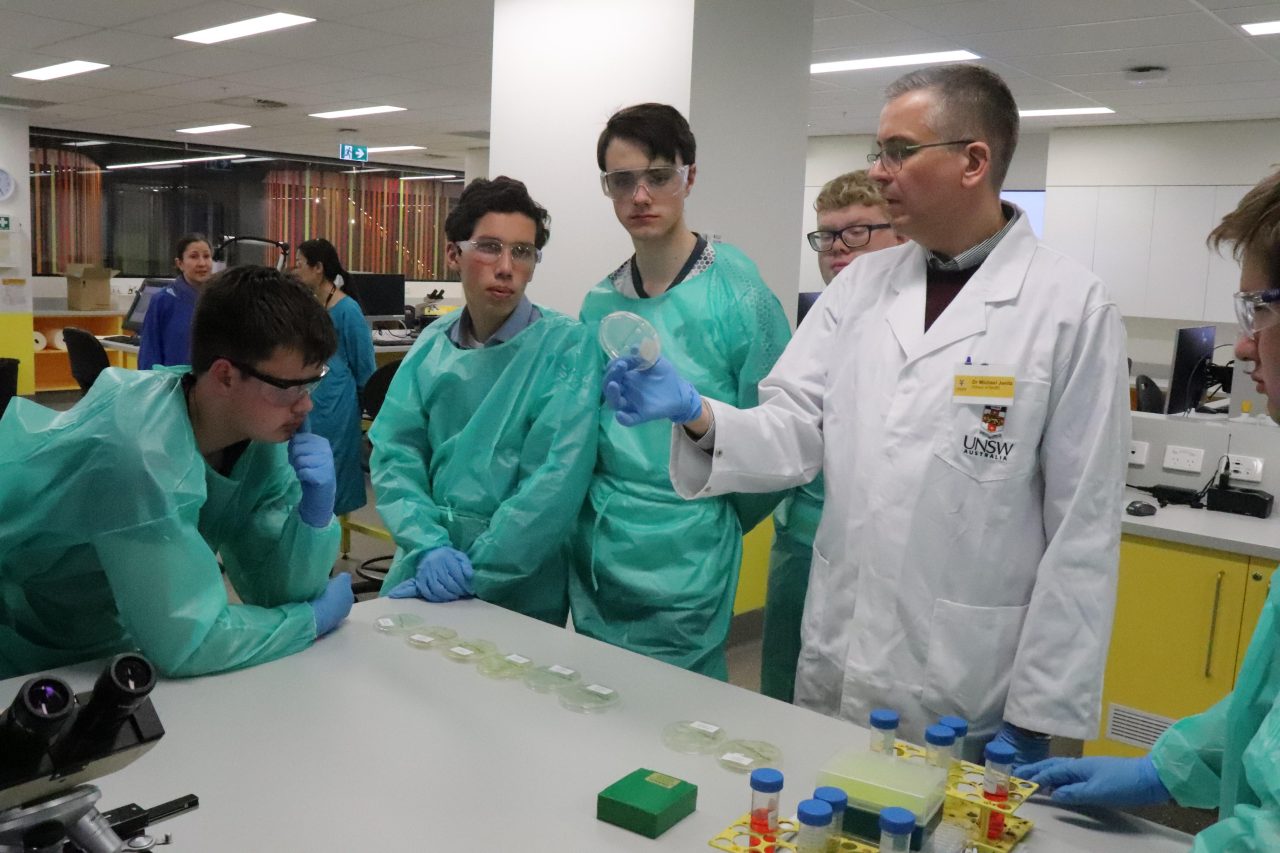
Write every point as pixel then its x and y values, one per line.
pixel 623 334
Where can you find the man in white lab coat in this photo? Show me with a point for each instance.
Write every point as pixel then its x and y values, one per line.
pixel 966 396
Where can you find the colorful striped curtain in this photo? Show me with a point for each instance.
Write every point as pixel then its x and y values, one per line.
pixel 66 209
pixel 378 223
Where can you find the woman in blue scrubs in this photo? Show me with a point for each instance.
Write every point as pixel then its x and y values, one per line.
pixel 166 331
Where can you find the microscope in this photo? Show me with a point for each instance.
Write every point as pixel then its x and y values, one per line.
pixel 53 742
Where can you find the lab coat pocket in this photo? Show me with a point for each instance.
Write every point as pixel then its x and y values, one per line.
pixel 990 443
pixel 971 651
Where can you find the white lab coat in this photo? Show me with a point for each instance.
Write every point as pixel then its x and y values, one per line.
pixel 947 583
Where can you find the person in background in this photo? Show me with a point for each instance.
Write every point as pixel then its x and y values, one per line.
pixel 336 415
pixel 1229 756
pixel 653 573
pixel 853 220
pixel 965 396
pixel 166 330
pixel 484 446
pixel 114 514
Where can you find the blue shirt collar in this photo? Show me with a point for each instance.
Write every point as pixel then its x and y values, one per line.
pixel 524 315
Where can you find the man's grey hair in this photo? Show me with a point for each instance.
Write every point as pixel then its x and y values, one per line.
pixel 971 103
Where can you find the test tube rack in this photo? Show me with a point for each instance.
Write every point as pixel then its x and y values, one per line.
pixel 739 837
pixel 964 805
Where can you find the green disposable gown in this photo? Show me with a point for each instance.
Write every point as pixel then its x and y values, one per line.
pixel 110 527
pixel 1229 756
pixel 654 573
pixel 489 451
pixel 794 525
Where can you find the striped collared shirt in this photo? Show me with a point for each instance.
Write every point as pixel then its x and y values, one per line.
pixel 975 255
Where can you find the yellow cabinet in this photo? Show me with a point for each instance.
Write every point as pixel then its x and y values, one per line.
pixel 1255 595
pixel 1175 644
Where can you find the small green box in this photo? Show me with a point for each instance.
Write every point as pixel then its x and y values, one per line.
pixel 647 802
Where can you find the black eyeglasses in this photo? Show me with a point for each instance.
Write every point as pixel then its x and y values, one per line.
pixel 891 154
pixel 282 392
pixel 854 236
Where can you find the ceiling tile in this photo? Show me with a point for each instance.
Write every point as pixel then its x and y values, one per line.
pixel 430 19
pixel 205 90
pixel 832 8
pixel 121 78
pixel 116 47
pixel 1181 75
pixel 376 88
pixel 1204 110
pixel 321 42
pixel 28 32
pixel 294 74
pixel 1040 41
pixel 985 16
pixel 210 61
pixel 407 59
pixel 336 10
pixel 1056 64
pixel 186 19
pixel 863 32
pixel 103 14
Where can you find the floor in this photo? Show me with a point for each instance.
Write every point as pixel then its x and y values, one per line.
pixel 744 648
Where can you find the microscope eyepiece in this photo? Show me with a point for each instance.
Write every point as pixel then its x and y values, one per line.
pixel 43 705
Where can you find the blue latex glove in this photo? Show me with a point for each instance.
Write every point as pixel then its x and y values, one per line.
pixel 1028 746
pixel 312 459
pixel 639 395
pixel 444 574
pixel 333 605
pixel 1098 781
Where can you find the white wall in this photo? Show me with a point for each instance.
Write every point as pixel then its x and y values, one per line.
pixel 15 158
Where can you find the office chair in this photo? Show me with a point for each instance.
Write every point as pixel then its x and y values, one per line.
pixel 1150 397
pixel 370 577
pixel 8 382
pixel 88 358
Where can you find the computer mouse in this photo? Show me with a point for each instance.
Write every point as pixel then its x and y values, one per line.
pixel 1140 508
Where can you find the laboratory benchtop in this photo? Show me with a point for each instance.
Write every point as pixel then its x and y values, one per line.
pixel 1218 531
pixel 364 742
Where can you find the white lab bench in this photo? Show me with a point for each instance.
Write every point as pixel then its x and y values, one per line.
pixel 1219 531
pixel 363 742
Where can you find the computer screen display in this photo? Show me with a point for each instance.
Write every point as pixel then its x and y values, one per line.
pixel 379 294
pixel 805 302
pixel 1192 355
pixel 141 301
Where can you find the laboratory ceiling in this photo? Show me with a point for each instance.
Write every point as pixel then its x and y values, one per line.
pixel 433 58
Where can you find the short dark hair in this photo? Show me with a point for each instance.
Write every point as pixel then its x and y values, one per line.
pixel 180 247
pixel 500 195
pixel 321 251
pixel 246 312
pixel 657 128
pixel 972 103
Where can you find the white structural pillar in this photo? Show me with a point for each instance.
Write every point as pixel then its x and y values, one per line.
pixel 738 69
pixel 15 248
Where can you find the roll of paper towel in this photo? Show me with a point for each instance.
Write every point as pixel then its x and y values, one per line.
pixel 39 340
pixel 59 340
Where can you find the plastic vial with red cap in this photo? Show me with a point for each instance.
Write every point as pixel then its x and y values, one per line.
pixel 884 731
pixel 995 783
pixel 896 826
pixel 766 786
pixel 940 743
pixel 815 832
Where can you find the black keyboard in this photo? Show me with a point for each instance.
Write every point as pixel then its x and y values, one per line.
pixel 133 340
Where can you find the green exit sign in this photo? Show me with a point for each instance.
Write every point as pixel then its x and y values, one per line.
pixel 356 153
pixel 4 223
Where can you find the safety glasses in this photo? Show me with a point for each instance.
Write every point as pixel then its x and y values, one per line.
pixel 281 392
pixel 1257 310
pixel 490 251
pixel 657 180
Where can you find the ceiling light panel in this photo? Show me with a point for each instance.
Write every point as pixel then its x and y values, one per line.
pixel 214 128
pixel 892 61
pixel 62 69
pixel 248 27
pixel 358 111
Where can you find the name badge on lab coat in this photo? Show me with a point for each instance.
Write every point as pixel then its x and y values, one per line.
pixel 983 384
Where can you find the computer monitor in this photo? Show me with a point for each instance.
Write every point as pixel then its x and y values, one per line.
pixel 805 302
pixel 133 320
pixel 379 294
pixel 1192 355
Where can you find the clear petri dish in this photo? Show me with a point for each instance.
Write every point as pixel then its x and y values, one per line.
pixel 500 667
pixel 588 698
pixel 743 756
pixel 544 679
pixel 693 737
pixel 623 333
pixel 468 651
pixel 430 637
pixel 397 623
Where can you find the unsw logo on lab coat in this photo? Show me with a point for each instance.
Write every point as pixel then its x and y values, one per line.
pixel 986 444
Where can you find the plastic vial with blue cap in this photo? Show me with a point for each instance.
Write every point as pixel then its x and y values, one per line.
pixel 940 744
pixel 815 830
pixel 766 786
pixel 995 782
pixel 960 726
pixel 896 826
pixel 884 731
pixel 838 800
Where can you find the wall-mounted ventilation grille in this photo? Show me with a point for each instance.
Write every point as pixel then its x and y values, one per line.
pixel 1134 727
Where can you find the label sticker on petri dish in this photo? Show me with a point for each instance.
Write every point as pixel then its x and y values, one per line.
pixel 386 622
pixel 704 727
pixel 422 639
pixel 600 689
pixel 560 670
pixel 519 660
pixel 462 651
pixel 738 758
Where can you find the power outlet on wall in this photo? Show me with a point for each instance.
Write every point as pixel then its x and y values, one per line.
pixel 1189 459
pixel 1138 452
pixel 1246 469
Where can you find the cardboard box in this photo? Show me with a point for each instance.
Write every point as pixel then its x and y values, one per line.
pixel 646 802
pixel 88 287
